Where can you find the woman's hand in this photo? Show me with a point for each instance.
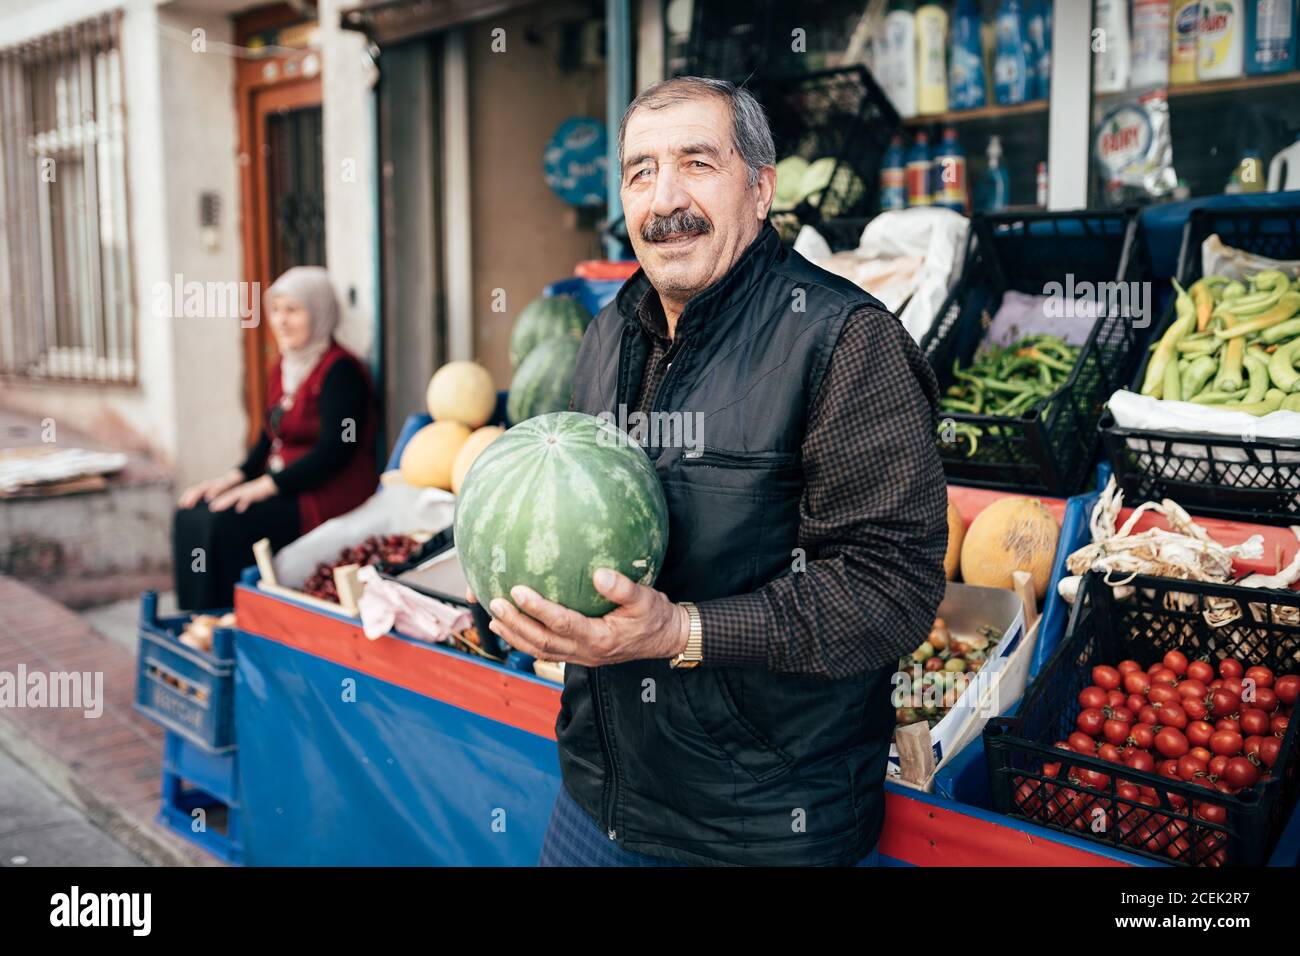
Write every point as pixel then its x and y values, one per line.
pixel 207 490
pixel 244 496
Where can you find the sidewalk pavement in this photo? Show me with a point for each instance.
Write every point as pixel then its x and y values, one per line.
pixel 108 767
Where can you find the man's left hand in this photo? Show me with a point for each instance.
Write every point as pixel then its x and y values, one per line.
pixel 644 626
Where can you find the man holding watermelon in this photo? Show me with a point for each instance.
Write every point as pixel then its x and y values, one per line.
pixel 739 712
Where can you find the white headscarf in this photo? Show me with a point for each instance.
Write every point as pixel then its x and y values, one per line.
pixel 310 286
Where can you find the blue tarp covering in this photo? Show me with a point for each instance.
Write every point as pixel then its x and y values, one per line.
pixel 391 779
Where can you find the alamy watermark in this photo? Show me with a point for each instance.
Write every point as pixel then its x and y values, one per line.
pixel 654 429
pixel 1071 299
pixel 73 690
pixel 180 299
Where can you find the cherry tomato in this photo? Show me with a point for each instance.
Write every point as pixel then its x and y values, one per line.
pixel 1120 713
pixel 1200 753
pixel 1163 694
pixel 1201 671
pixel 1228 723
pixel 1211 812
pixel 1218 765
pixel 1163 675
pixel 1226 743
pixel 1192 688
pixel 1127 791
pixel 1089 721
pixel 1279 725
pixel 1108 751
pixel 1105 677
pixel 1189 766
pixel 1235 685
pixel 1135 702
pixel 1129 665
pixel 1230 667
pixel 1266 699
pixel 1135 682
pixel 1269 750
pixel 1288 689
pixel 1223 702
pixel 1168 768
pixel 1115 731
pixel 1262 676
pixel 1143 761
pixel 1171 715
pixel 1254 722
pixel 1195 708
pixel 1142 735
pixel 1092 696
pixel 1251 747
pixel 1170 742
pixel 1176 661
pixel 1241 773
pixel 1083 744
pixel 1199 732
pixel 1115 698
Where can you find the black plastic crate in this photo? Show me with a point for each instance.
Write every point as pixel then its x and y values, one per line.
pixel 1160 615
pixel 841 113
pixel 1049 448
pixel 844 233
pixel 1222 476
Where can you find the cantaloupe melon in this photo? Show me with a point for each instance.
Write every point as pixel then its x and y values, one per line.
pixel 462 392
pixel 428 457
pixel 469 451
pixel 1012 534
pixel 956 534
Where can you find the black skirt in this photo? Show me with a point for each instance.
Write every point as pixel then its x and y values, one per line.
pixel 210 549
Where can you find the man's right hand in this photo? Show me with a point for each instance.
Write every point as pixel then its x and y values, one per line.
pixel 209 489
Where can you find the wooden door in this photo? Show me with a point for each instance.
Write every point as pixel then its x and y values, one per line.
pixel 283 202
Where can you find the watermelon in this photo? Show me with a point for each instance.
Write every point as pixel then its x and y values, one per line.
pixel 544 381
pixel 552 500
pixel 545 318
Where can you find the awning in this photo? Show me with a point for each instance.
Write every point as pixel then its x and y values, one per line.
pixel 392 21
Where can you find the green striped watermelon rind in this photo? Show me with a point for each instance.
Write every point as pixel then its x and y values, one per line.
pixel 544 382
pixel 545 318
pixel 551 501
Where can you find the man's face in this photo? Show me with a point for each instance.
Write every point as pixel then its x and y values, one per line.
pixel 690 209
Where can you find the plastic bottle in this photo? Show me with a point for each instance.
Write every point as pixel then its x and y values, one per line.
pixel 1284 168
pixel 965 59
pixel 1033 32
pixel 1111 64
pixel 1220 40
pixel 1184 24
pixel 1151 36
pixel 950 174
pixel 1270 36
pixel 1249 173
pixel 1040 185
pixel 918 172
pixel 1045 55
pixel 931 59
pixel 1010 72
pixel 995 186
pixel 900 56
pixel 893 177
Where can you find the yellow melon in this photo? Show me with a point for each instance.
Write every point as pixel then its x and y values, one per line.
pixel 469 451
pixel 956 533
pixel 1012 534
pixel 462 392
pixel 428 457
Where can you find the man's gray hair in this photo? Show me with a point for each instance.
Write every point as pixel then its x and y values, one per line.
pixel 749 127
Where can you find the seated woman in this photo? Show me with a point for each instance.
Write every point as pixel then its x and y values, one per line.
pixel 315 458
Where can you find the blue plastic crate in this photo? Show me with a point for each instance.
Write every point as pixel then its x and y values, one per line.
pixel 594 294
pixel 215 774
pixel 192 779
pixel 200 705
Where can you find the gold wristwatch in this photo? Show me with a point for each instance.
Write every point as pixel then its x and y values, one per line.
pixel 694 652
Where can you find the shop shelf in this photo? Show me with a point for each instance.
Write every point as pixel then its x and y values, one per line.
pixel 1160 615
pixel 1243 477
pixel 1050 449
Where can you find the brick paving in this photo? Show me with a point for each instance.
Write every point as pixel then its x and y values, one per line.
pixel 109 766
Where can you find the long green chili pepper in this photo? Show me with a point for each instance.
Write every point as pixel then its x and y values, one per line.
pixel 1199 371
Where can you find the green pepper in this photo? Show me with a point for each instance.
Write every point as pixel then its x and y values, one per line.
pixel 1185 309
pixel 1280 333
pixel 1285 306
pixel 1271 403
pixel 1281 367
pixel 1233 290
pixel 1257 368
pixel 1213 397
pixel 1199 371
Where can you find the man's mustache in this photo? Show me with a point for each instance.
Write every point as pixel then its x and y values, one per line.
pixel 681 223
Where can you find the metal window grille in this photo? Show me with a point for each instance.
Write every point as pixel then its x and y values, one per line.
pixel 66 306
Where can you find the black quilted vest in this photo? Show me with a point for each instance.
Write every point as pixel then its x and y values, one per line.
pixel 728 765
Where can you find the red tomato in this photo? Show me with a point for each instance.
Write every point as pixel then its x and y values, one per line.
pixel 1211 812
pixel 1109 751
pixel 1089 721
pixel 1170 742
pixel 1251 747
pixel 1226 743
pixel 1121 713
pixel 1288 689
pixel 1129 665
pixel 1143 761
pixel 1083 744
pixel 1234 684
pixel 1135 682
pixel 1092 696
pixel 1142 735
pixel 1163 694
pixel 1163 675
pixel 1201 671
pixel 1201 753
pixel 1168 768
pixel 1192 688
pixel 1262 676
pixel 1093 778
pixel 1230 667
pixel 1223 702
pixel 1189 766
pixel 1279 725
pixel 1269 750
pixel 1135 702
pixel 1195 707
pixel 1127 791
pixel 1105 677
pixel 1115 698
pixel 1171 715
pixel 1241 773
pixel 1115 731
pixel 1266 699
pixel 1218 765
pixel 1254 722
pixel 1176 661
pixel 1228 723
pixel 1199 732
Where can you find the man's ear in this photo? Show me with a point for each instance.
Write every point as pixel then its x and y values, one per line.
pixel 766 187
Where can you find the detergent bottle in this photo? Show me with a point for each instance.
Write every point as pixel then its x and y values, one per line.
pixel 966 59
pixel 919 184
pixel 1010 71
pixel 1270 36
pixel 893 177
pixel 900 56
pixel 1110 68
pixel 995 186
pixel 1150 43
pixel 931 59
pixel 1220 40
pixel 950 174
pixel 1184 24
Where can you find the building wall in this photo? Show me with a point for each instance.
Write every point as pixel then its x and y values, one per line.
pixel 525 237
